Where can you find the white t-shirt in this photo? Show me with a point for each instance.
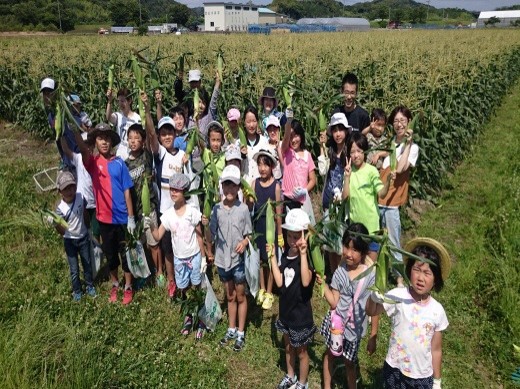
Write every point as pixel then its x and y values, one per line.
pixel 122 123
pixel 250 166
pixel 73 215
pixel 184 237
pixel 412 157
pixel 413 327
pixel 166 166
pixel 84 181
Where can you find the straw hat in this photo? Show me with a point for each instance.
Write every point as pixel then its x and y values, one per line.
pixel 437 247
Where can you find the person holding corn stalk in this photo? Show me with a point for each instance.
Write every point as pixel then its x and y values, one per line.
pixel 347 296
pixel 114 211
pixel 417 319
pixel 195 81
pixel 332 165
pixel 406 154
pixel 122 119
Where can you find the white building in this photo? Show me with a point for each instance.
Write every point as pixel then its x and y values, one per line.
pixel 506 18
pixel 267 16
pixel 224 16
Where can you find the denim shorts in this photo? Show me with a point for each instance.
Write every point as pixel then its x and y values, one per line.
pixel 186 270
pixel 236 274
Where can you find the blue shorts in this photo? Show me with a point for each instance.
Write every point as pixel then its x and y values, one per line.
pixel 236 274
pixel 186 270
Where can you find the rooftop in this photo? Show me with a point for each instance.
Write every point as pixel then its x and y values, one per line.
pixel 499 14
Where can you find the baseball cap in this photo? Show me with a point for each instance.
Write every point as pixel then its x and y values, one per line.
pixel 233 152
pixel 233 114
pixel 338 118
pixel 65 179
pixel 194 75
pixel 47 83
pixel 179 181
pixel 74 99
pixel 231 173
pixel 296 220
pixel 272 121
pixel 166 120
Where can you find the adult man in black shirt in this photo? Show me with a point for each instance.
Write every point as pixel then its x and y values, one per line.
pixel 357 117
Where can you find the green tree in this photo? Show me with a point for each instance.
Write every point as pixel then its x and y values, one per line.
pixel 123 12
pixel 178 13
pixel 492 21
pixel 418 15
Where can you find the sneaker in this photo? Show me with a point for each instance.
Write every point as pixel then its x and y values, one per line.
pixel 230 335
pixel 171 289
pixel 161 281
pixel 91 291
pixel 128 296
pixel 261 296
pixel 113 294
pixel 299 385
pixel 186 326
pixel 200 330
pixel 287 382
pixel 239 343
pixel 76 296
pixel 268 301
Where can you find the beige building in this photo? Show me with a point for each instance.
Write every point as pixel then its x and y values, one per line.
pixel 232 17
pixel 267 16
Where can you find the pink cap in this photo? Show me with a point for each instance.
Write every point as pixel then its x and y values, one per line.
pixel 233 114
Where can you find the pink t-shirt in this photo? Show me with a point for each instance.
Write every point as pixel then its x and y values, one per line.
pixel 296 172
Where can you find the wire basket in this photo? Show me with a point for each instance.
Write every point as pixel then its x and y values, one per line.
pixel 46 179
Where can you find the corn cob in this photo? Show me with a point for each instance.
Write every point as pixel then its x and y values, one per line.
pixel 58 220
pixel 139 79
pixel 322 120
pixel 196 100
pixel 227 132
pixel 242 136
pixel 317 259
pixel 110 76
pixel 193 140
pixel 381 281
pixel 220 65
pixel 287 97
pixel 393 157
pixel 269 229
pixel 247 190
pixel 145 198
pixel 58 120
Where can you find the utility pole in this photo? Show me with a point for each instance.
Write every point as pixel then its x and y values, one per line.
pixel 140 15
pixel 59 14
pixel 427 10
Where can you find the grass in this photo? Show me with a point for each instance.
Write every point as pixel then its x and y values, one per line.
pixel 49 341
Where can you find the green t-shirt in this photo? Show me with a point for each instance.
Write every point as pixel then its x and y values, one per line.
pixel 364 186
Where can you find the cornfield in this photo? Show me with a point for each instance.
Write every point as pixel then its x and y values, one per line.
pixel 452 79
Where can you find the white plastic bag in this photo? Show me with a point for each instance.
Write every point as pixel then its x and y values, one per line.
pixel 307 207
pixel 252 267
pixel 136 259
pixel 96 255
pixel 211 313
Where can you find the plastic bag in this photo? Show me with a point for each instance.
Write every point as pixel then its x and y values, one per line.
pixel 136 259
pixel 307 207
pixel 96 255
pixel 211 313
pixel 252 267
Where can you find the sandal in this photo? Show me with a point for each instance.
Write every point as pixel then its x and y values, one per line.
pixel 200 330
pixel 186 327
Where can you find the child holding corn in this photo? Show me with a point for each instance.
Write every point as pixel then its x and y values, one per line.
pixel 122 119
pixel 183 223
pixel 139 163
pixel 417 319
pixel 332 165
pixel 376 137
pixel 295 280
pixel 76 239
pixel 347 297
pixel 266 188
pixel 114 212
pixel 407 153
pixel 229 228
pixel 269 107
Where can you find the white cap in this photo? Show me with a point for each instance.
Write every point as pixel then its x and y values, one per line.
pixel 268 153
pixel 231 173
pixel 194 75
pixel 47 83
pixel 272 121
pixel 166 120
pixel 233 152
pixel 338 118
pixel 296 220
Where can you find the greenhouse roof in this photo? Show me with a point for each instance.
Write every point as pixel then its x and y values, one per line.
pixel 499 14
pixel 335 21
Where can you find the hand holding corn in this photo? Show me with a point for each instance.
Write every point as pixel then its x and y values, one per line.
pixel 204 220
pixel 130 225
pixel 377 297
pixel 147 222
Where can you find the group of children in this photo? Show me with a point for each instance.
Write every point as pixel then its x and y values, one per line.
pixel 279 167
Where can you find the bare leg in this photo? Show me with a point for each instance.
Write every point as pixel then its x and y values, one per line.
pixel 303 355
pixel 290 356
pixel 350 367
pixel 231 296
pixel 169 267
pixel 157 259
pixel 128 279
pixel 270 282
pixel 328 369
pixel 240 290
pixel 262 276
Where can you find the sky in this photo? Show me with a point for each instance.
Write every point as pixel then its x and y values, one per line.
pixel 472 5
